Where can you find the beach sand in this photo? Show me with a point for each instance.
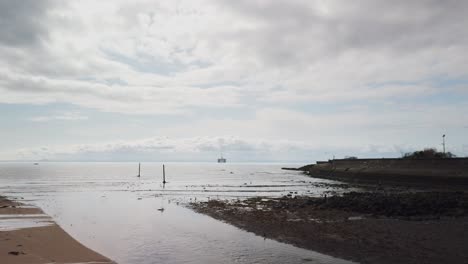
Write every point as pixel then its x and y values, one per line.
pixel 27 235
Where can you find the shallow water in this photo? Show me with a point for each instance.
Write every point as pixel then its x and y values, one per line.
pixel 140 220
pixel 15 222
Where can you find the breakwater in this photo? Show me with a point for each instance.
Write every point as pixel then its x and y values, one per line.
pixel 451 171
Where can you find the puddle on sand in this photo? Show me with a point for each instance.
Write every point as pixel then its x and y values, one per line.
pixel 11 224
pixel 136 231
pixel 7 216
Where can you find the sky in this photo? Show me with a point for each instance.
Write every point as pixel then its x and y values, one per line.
pixel 253 80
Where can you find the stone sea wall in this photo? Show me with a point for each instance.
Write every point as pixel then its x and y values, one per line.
pixel 441 171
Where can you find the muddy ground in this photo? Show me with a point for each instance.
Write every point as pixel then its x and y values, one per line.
pixel 369 227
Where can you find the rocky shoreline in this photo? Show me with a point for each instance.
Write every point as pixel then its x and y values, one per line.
pixel 369 227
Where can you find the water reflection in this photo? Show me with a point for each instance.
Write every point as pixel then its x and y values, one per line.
pixel 141 220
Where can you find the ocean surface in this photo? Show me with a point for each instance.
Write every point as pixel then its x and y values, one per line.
pixel 134 219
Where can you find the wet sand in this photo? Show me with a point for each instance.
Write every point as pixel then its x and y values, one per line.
pixel 376 227
pixel 40 240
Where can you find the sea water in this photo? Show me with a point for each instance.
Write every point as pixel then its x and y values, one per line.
pixel 141 220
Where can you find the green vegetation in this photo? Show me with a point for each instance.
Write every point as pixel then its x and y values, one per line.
pixel 429 153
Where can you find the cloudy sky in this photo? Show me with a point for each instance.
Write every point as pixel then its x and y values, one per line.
pixel 257 80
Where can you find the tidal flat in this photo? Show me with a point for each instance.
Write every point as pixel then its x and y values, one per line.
pixel 368 227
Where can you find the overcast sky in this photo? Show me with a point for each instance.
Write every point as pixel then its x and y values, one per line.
pixel 256 80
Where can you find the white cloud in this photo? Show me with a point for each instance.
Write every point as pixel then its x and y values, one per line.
pixel 69 116
pixel 170 149
pixel 209 148
pixel 377 60
pixel 282 135
pixel 159 57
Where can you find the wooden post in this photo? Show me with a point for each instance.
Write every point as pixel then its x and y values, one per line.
pixel 164 175
pixel 443 142
pixel 139 169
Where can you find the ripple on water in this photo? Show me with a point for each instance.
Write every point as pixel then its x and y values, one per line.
pixel 97 203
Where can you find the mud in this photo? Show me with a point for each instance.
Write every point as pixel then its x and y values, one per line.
pixel 397 227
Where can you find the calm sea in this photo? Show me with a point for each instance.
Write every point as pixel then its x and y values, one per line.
pixel 139 220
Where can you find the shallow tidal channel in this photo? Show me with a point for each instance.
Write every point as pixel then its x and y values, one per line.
pixel 138 220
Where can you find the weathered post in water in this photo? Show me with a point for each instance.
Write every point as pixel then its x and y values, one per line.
pixel 139 169
pixel 443 142
pixel 164 175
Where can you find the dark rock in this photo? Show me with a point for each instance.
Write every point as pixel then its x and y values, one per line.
pixel 16 253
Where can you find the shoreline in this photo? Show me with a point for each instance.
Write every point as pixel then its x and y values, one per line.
pixel 372 227
pixel 27 235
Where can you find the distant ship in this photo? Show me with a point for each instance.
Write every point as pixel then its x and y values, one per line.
pixel 221 160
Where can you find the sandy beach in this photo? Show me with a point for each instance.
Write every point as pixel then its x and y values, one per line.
pixel 364 227
pixel 27 235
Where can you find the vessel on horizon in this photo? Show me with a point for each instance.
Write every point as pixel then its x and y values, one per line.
pixel 221 159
